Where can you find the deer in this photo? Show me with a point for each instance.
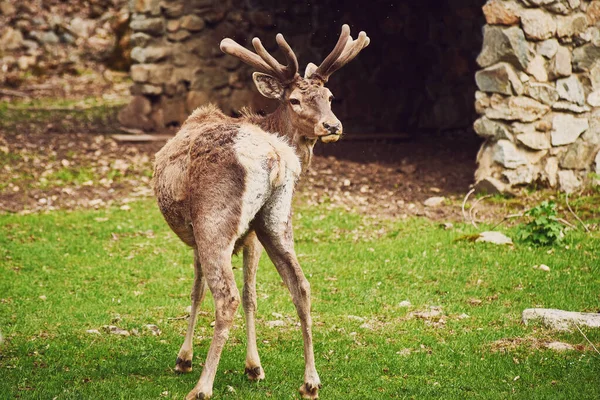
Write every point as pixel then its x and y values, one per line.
pixel 225 184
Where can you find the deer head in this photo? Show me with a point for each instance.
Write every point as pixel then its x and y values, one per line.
pixel 305 101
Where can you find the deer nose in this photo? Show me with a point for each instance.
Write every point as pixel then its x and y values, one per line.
pixel 333 128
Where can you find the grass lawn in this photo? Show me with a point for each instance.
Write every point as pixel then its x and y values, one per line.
pixel 64 273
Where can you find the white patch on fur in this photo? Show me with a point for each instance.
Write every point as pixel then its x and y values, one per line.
pixel 258 151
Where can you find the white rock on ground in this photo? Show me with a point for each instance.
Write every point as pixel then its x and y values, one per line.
pixel 494 237
pixel 434 201
pixel 561 320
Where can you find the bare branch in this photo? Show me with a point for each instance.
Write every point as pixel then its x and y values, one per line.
pixel 575 215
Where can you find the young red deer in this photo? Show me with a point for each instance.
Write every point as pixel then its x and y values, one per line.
pixel 224 183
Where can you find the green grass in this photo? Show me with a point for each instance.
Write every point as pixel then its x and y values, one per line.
pixel 94 267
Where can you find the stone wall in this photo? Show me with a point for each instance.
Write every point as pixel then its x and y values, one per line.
pixel 416 75
pixel 53 37
pixel 539 94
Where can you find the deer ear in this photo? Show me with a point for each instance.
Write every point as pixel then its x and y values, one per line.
pixel 310 69
pixel 268 86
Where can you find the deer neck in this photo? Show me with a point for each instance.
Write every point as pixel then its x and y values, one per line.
pixel 279 123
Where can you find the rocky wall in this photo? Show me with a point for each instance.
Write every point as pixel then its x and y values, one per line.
pixel 539 94
pixel 56 37
pixel 416 75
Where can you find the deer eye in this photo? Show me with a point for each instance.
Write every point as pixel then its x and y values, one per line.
pixel 294 102
pixel 331 98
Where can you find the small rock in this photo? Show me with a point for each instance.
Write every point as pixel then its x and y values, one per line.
pixel 548 48
pixel 561 320
pixel 192 23
pixel 537 68
pixel 567 128
pixel 433 312
pixel 568 182
pixel 535 141
pixel 43 297
pixel 571 25
pixel 499 78
pixel 490 185
pixel 571 90
pixel 568 106
pixel 500 13
pixel 404 303
pixel 537 24
pixel 463 316
pixel 543 92
pixel 93 331
pixel 507 44
pixel 542 267
pixel 585 56
pixel 559 346
pixel 434 201
pixel 560 65
pixel 593 99
pixel 491 129
pixel 494 237
pixel 517 108
pixel 506 154
pixel 114 330
pixel 153 329
pixel 7 9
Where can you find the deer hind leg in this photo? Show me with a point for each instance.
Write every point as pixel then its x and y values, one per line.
pixel 252 252
pixel 219 276
pixel 186 352
pixel 274 230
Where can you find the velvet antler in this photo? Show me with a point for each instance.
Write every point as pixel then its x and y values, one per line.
pixel 262 60
pixel 343 52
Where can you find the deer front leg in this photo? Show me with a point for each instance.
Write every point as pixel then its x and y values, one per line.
pixel 281 251
pixel 220 279
pixel 186 352
pixel 252 252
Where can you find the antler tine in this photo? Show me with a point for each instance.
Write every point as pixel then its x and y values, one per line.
pixel 284 73
pixel 290 56
pixel 230 47
pixel 323 69
pixel 353 47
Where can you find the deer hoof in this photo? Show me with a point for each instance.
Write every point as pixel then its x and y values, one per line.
pixel 183 366
pixel 194 395
pixel 310 390
pixel 255 373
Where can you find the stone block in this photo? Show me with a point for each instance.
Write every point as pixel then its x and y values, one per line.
pixel 135 114
pixel 579 155
pixel 519 108
pixel 152 54
pixel 541 92
pixel 548 48
pixel 534 140
pixel 174 111
pixel 195 99
pixel 491 129
pixel 566 128
pixel 571 25
pixel 151 7
pixel 537 68
pixel 560 65
pixel 571 89
pixel 585 57
pixel 568 181
pixel 504 44
pixel 499 78
pixel 192 23
pixel 506 154
pixel 154 26
pixel 538 24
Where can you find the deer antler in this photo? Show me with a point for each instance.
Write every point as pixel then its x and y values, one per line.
pixel 262 60
pixel 343 52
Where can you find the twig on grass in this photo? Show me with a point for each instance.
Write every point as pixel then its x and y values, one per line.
pixel 506 218
pixel 586 338
pixel 179 318
pixel 575 215
pixel 464 203
pixel 472 211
